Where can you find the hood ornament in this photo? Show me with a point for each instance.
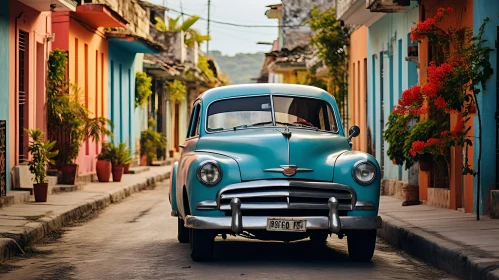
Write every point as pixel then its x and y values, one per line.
pixel 286 132
pixel 289 170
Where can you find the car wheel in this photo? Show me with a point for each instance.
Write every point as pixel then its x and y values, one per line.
pixel 361 245
pixel 182 232
pixel 318 237
pixel 202 245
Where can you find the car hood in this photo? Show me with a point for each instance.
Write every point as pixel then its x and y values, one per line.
pixel 260 152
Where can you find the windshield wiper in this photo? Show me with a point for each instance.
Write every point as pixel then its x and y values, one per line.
pixel 249 125
pixel 298 125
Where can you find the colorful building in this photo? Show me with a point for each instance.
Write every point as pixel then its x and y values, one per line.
pixel 489 103
pixel 81 34
pixel 357 87
pixel 394 63
pixel 30 37
pixel 449 189
pixel 126 48
pixel 380 69
pixel 289 62
pixel 5 162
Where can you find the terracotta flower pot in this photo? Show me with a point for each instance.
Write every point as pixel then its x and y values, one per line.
pixel 143 160
pixel 103 169
pixel 394 161
pixel 411 195
pixel 41 192
pixel 69 172
pixel 118 173
pixel 126 168
pixel 425 165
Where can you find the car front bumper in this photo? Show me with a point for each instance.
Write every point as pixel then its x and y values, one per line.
pixel 237 223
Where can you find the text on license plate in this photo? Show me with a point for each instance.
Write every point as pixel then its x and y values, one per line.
pixel 283 224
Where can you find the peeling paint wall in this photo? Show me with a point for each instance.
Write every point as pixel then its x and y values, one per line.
pixel 295 13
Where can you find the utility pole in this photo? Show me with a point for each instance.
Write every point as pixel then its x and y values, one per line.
pixel 208 42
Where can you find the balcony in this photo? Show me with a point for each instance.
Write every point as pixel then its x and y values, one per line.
pixel 387 6
pixel 355 12
pixel 51 5
pixel 100 15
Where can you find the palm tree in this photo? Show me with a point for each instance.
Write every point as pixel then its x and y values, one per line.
pixel 191 35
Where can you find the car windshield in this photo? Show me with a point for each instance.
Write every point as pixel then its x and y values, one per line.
pixel 254 111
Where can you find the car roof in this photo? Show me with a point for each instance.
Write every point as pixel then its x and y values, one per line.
pixel 264 88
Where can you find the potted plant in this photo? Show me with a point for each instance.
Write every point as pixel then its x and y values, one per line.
pixel 150 142
pixel 41 154
pixel 68 118
pixel 395 134
pixel 422 145
pixel 120 156
pixel 103 165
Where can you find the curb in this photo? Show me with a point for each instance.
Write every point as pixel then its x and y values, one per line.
pixel 37 230
pixel 456 259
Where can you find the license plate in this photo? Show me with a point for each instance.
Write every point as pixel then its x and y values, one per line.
pixel 286 224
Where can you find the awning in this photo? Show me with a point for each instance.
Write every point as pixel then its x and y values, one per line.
pixel 155 66
pixel 134 43
pixel 100 15
pixel 51 5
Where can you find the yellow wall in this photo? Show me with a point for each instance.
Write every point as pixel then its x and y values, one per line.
pixel 357 85
pixel 292 76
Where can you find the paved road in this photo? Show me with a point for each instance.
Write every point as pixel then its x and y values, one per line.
pixel 136 239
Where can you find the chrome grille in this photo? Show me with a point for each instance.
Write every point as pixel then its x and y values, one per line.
pixel 286 195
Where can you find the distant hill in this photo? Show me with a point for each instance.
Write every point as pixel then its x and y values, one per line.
pixel 241 68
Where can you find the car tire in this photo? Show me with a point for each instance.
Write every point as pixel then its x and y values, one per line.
pixel 182 232
pixel 318 237
pixel 361 244
pixel 202 245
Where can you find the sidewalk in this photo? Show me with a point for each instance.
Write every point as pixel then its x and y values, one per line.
pixel 22 224
pixel 450 240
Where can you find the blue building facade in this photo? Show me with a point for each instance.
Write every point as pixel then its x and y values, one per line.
pixel 488 104
pixel 389 73
pixel 123 58
pixel 4 97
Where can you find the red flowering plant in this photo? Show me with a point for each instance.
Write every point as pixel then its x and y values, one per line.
pixel 451 88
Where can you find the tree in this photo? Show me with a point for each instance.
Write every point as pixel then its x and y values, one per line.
pixel 331 40
pixel 191 35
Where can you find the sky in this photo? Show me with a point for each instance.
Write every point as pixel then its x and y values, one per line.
pixel 230 39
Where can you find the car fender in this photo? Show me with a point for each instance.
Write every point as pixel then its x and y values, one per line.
pixel 171 187
pixel 343 174
pixel 188 183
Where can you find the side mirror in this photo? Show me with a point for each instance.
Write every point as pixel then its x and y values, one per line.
pixel 353 132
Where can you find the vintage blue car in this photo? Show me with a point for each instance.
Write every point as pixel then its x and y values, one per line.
pixel 272 162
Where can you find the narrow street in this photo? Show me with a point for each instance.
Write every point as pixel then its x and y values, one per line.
pixel 136 239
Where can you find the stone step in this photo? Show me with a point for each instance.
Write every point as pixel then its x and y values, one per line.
pixel 85 178
pixel 159 163
pixel 138 169
pixel 55 189
pixel 14 197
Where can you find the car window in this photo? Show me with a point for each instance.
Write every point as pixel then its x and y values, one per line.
pixel 239 112
pixel 194 122
pixel 302 111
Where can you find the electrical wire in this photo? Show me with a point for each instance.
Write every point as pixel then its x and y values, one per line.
pixel 235 24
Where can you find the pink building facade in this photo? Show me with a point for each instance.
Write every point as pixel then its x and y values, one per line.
pixel 30 36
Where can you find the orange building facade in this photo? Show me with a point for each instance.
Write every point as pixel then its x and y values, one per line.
pixel 357 86
pixel 82 35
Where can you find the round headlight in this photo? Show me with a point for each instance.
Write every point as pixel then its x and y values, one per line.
pixel 209 173
pixel 364 173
